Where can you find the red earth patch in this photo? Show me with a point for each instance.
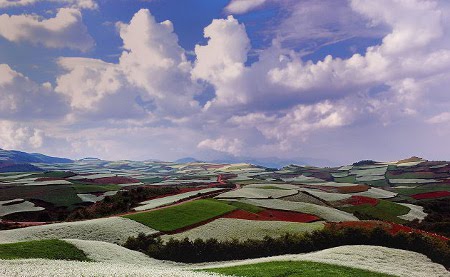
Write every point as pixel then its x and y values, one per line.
pixel 357 200
pixel 273 215
pixel 431 195
pixel 392 228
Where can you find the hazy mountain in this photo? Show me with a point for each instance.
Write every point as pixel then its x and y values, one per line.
pixel 23 157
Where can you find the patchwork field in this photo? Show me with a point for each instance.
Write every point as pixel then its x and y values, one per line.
pixel 88 210
pixel 184 215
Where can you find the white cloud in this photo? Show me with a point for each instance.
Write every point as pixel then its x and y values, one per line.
pixel 227 145
pixel 21 98
pixel 243 6
pixel 221 61
pixel 65 30
pixel 79 4
pixel 19 136
pixel 97 88
pixel 154 61
pixel 440 118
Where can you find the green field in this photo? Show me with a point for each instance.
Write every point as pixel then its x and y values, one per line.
pixel 294 269
pixel 58 195
pixel 348 179
pixel 176 217
pixel 245 207
pixel 42 249
pixel 385 210
pixel 422 189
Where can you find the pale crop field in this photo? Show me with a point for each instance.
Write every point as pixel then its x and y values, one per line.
pixel 257 193
pixel 112 229
pixel 163 201
pixel 416 212
pixel 224 229
pixel 326 213
pixel 25 206
pixel 377 193
pixel 327 196
pixel 51 268
pixel 374 258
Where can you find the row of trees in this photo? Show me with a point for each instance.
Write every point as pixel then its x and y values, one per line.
pixel 214 250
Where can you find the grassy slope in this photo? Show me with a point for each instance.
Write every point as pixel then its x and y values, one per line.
pixel 176 217
pixel 42 249
pixel 291 269
pixel 385 210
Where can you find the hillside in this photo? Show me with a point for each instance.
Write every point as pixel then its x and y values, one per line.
pixel 237 205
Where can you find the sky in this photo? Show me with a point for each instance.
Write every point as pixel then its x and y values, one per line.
pixel 341 80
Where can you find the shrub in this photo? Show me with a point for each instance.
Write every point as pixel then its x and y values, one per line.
pixel 212 250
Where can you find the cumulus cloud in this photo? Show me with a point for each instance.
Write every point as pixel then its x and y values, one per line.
pixel 65 30
pixel 93 87
pixel 154 61
pixel 222 144
pixel 18 136
pixel 243 6
pixel 221 61
pixel 21 98
pixel 80 4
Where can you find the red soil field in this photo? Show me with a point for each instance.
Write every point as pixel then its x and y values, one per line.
pixel 353 189
pixel 357 200
pixel 273 215
pixel 392 228
pixel 431 195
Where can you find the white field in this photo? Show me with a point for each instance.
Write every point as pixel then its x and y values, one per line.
pixel 333 184
pixel 89 197
pixel 14 176
pixel 58 268
pixel 47 183
pixel 257 193
pixel 416 212
pixel 363 178
pixel 326 213
pixel 377 193
pixel 224 229
pixel 412 181
pixel 25 206
pixel 264 185
pixel 302 179
pixel 374 258
pixel 364 171
pixel 112 229
pixel 159 202
pixel 327 196
pixel 100 251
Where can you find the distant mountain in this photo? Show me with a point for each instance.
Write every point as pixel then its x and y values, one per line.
pixel 271 162
pixel 187 160
pixel 19 157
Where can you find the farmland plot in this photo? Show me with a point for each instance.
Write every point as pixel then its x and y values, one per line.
pixel 327 213
pixel 374 258
pixel 224 229
pixel 112 229
pixel 164 201
pixel 257 193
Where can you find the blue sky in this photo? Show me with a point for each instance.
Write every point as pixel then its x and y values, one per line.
pixel 131 79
